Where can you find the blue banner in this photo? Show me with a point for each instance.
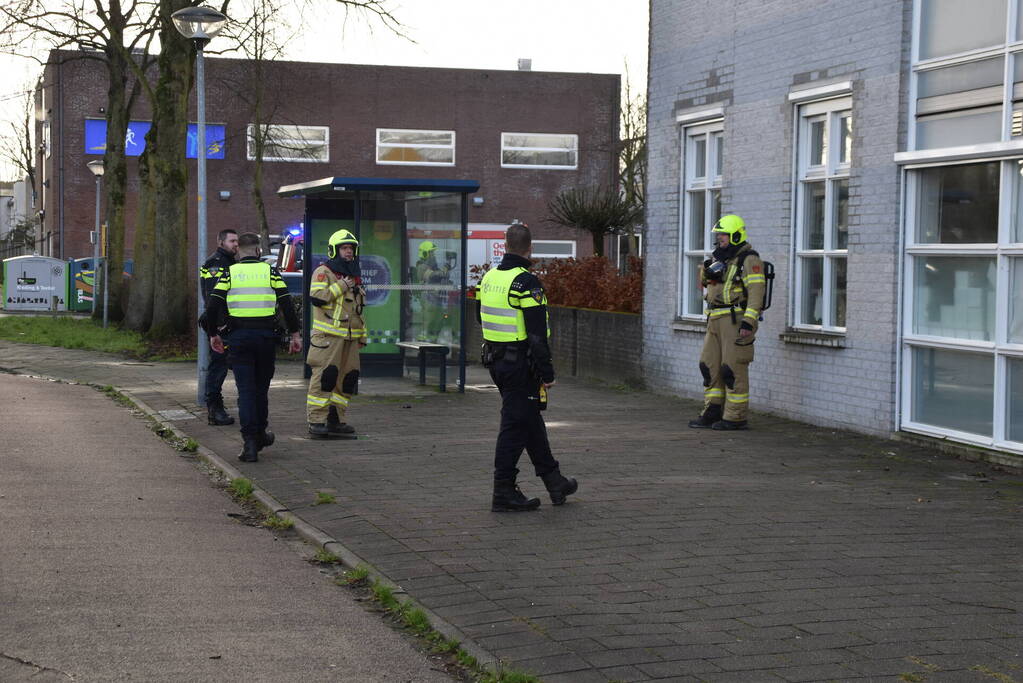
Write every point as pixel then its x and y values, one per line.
pixel 135 139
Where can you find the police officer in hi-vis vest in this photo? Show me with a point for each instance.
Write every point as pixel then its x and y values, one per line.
pixel 246 298
pixel 513 313
pixel 734 286
pixel 216 371
pixel 337 336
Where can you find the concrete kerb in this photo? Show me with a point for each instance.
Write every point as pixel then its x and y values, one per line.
pixel 317 537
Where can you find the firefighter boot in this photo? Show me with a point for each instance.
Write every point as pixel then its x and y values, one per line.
pixel 250 451
pixel 710 415
pixel 216 415
pixel 338 428
pixel 508 498
pixel 729 425
pixel 318 430
pixel 265 438
pixel 559 486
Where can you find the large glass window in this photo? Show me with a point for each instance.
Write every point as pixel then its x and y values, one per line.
pixel 702 151
pixel 964 315
pixel 824 151
pixel 948 27
pixel 289 143
pixel 961 90
pixel 416 147
pixel 954 296
pixel 963 268
pixel 953 390
pixel 539 150
pixel 1014 409
pixel 958 204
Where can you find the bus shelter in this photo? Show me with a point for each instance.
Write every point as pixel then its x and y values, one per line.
pixel 413 255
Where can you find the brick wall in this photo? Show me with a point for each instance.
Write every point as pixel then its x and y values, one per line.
pixel 353 100
pixel 746 57
pixel 593 345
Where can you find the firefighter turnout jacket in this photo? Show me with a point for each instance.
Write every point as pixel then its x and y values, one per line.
pixel 337 310
pixel 740 293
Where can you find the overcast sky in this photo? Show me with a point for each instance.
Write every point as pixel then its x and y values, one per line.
pixel 594 36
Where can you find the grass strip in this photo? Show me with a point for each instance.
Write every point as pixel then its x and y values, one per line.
pixel 74 332
pixel 415 620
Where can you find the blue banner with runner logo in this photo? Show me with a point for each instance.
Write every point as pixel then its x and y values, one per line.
pixel 135 138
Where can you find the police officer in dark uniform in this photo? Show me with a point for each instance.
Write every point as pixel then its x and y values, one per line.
pixel 513 314
pixel 216 371
pixel 245 300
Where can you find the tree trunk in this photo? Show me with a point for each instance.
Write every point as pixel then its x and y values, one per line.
pixel 115 177
pixel 172 284
pixel 139 312
pixel 598 243
pixel 259 140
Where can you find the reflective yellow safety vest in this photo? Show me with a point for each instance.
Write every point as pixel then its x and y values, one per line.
pixel 501 308
pixel 249 291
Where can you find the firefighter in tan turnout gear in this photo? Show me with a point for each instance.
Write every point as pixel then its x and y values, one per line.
pixel 338 333
pixel 734 287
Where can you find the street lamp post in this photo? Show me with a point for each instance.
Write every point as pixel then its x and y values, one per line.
pixel 96 166
pixel 200 25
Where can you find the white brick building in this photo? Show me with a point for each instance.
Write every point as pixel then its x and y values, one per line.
pixel 875 151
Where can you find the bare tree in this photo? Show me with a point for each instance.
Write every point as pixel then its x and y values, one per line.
pixel 109 31
pixel 16 146
pixel 632 155
pixel 599 211
pixel 261 37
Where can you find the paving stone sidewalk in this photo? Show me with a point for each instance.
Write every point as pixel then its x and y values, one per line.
pixel 785 553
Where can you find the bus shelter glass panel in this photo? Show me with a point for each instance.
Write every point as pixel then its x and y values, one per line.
pixel 434 255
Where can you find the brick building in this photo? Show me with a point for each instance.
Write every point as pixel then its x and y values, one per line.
pixel 874 150
pixel 523 135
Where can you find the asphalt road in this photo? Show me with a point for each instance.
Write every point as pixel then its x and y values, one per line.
pixel 119 560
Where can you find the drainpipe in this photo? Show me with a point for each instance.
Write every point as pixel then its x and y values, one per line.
pixel 60 152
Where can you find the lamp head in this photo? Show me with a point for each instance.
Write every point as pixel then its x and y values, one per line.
pixel 96 166
pixel 199 23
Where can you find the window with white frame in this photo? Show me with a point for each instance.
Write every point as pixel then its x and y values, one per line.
pixel 960 54
pixel 962 335
pixel 540 150
pixel 702 158
pixel 963 330
pixel 415 147
pixel 553 249
pixel 823 150
pixel 286 142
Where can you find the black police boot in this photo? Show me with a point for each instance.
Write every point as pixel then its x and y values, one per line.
pixel 217 416
pixel 559 486
pixel 318 430
pixel 338 428
pixel 729 425
pixel 265 438
pixel 710 415
pixel 508 498
pixel 250 451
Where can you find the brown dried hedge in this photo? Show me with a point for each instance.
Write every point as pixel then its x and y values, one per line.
pixel 591 282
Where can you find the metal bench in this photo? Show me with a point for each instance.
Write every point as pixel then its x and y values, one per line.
pixel 424 348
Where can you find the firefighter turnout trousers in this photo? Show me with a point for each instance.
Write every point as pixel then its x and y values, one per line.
pixel 335 364
pixel 725 365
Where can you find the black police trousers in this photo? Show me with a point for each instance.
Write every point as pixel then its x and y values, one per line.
pixel 522 424
pixel 252 354
pixel 216 373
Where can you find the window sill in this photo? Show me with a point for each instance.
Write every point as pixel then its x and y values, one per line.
pixel 835 341
pixel 684 325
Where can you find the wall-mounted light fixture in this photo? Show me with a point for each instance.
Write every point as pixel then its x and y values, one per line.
pixel 225 195
pixel 477 201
